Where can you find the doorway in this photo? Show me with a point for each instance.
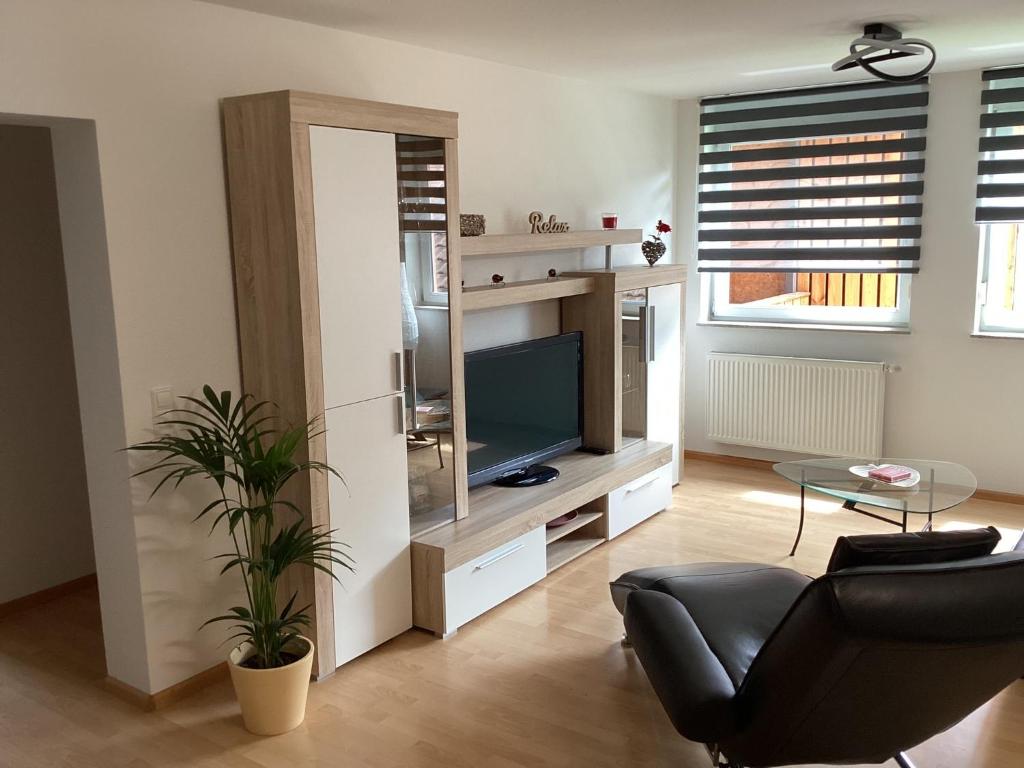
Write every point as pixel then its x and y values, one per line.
pixel 69 592
pixel 45 526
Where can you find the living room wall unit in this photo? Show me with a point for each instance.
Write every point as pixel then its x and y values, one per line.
pixel 315 224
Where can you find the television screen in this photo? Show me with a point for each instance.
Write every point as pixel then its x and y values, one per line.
pixel 523 404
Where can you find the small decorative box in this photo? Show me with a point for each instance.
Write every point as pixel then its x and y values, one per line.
pixel 892 473
pixel 471 224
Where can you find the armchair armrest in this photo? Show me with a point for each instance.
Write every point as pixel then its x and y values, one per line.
pixel 694 688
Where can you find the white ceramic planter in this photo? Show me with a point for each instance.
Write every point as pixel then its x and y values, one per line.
pixel 273 701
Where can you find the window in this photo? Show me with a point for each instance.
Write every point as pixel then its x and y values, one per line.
pixel 434 270
pixel 1001 290
pixel 1000 208
pixel 810 204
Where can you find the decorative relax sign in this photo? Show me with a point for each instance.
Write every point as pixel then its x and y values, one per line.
pixel 540 227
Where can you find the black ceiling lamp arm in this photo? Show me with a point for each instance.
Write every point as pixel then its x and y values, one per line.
pixel 882 42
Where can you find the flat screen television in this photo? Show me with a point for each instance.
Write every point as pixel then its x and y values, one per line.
pixel 524 404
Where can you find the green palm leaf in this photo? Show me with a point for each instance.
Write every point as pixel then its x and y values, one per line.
pixel 234 442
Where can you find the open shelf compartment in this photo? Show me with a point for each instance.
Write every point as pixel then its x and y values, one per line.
pixel 567 549
pixel 584 518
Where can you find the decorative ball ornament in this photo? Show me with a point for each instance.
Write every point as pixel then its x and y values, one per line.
pixel 882 42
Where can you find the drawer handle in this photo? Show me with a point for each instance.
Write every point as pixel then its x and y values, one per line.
pixel 500 556
pixel 640 487
pixel 400 410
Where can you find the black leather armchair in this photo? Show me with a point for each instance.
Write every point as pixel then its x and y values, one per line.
pixel 768 667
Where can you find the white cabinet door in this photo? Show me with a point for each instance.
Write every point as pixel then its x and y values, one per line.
pixel 355 203
pixel 664 313
pixel 370 511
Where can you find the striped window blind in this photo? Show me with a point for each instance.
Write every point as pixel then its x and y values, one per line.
pixel 422 196
pixel 1001 146
pixel 820 180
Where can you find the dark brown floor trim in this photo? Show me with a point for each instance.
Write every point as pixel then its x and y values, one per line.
pixel 722 458
pixel 47 595
pixel 151 702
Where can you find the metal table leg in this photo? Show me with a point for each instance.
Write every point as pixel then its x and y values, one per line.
pixel 800 530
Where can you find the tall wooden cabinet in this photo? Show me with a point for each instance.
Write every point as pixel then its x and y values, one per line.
pixel 314 191
pixel 632 330
pixel 661 358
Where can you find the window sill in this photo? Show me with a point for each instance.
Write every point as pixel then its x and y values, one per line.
pixel 888 329
pixel 997 335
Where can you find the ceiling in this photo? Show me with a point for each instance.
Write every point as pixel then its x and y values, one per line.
pixel 673 47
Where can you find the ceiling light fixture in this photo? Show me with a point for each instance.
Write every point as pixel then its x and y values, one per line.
pixel 882 42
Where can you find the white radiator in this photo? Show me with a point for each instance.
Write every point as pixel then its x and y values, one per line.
pixel 804 405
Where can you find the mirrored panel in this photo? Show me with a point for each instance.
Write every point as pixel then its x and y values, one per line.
pixel 423 224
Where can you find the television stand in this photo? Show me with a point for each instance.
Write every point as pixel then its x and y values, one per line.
pixel 535 474
pixel 467 567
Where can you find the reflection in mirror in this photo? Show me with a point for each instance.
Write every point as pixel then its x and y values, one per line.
pixel 423 223
pixel 634 366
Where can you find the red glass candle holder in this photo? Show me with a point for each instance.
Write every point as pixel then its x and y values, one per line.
pixel 610 220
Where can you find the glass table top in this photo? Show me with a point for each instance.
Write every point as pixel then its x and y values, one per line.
pixel 942 484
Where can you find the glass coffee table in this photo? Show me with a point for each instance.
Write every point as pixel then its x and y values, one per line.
pixel 939 485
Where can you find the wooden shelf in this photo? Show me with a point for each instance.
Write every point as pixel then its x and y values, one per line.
pixel 567 284
pixel 582 519
pixel 566 550
pixel 635 276
pixel 524 292
pixel 493 245
pixel 498 515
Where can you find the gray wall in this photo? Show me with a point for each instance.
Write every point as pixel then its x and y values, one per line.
pixel 45 535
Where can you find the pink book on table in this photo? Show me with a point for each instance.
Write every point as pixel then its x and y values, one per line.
pixel 893 474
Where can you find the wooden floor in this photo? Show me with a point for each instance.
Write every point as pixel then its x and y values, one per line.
pixel 539 681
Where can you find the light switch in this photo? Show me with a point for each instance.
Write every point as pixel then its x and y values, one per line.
pixel 162 399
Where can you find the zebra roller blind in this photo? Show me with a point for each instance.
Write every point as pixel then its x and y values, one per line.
pixel 822 179
pixel 422 202
pixel 1001 165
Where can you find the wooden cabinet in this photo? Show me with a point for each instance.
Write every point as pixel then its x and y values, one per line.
pixel 664 367
pixel 355 208
pixel 632 337
pixel 369 509
pixel 313 186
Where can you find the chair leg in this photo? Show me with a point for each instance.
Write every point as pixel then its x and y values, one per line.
pixel 718 760
pixel 902 760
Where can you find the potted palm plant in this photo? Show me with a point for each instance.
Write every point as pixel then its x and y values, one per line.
pixel 234 444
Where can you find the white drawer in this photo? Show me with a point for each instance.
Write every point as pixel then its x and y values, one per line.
pixel 639 499
pixel 482 583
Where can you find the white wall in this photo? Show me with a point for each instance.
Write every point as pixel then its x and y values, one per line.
pixel 957 398
pixel 45 537
pixel 90 301
pixel 150 74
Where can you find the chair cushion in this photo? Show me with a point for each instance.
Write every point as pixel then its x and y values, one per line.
pixel 735 606
pixel 911 548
